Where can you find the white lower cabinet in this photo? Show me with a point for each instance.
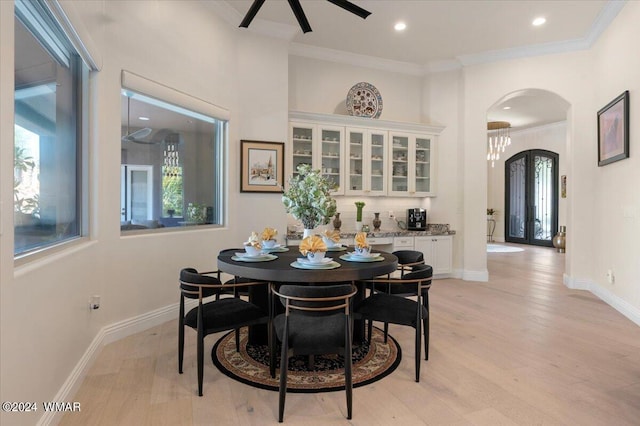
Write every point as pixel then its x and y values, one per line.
pixel 438 252
pixel 402 243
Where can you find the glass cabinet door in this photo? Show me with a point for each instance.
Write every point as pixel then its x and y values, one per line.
pixel 423 165
pixel 377 163
pixel 399 163
pixel 302 146
pixel 355 155
pixel 330 161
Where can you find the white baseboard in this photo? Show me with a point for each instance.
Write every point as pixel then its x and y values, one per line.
pixel 106 335
pixel 620 305
pixel 475 275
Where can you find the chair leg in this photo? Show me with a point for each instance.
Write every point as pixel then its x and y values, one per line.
pixel 418 347
pixel 237 340
pixel 425 324
pixel 386 331
pixel 181 335
pixel 200 361
pixel 284 366
pixel 180 344
pixel 348 385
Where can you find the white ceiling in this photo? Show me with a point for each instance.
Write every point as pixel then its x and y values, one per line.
pixel 441 35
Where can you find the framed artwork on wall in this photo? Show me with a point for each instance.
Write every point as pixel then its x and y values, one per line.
pixel 613 130
pixel 261 166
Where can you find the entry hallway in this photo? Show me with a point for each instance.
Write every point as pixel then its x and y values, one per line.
pixel 521 349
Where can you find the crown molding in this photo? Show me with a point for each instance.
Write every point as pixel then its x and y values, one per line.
pixel 353 121
pixel 355 59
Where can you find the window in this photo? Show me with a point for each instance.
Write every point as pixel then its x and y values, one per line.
pixel 171 170
pixel 48 184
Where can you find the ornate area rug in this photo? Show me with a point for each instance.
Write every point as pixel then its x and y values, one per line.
pixel 251 364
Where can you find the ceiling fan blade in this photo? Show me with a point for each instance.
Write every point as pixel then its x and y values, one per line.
pixel 253 10
pixel 300 16
pixel 347 5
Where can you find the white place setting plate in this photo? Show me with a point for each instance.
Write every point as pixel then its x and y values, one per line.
pixel 336 248
pixel 353 257
pixel 278 248
pixel 327 263
pixel 262 257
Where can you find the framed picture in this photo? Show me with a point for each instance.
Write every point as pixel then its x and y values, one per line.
pixel 613 130
pixel 261 166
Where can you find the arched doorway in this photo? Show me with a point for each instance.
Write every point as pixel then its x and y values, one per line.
pixel 531 197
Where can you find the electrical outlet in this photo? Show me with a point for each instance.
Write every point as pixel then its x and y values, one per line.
pixel 94 302
pixel 610 277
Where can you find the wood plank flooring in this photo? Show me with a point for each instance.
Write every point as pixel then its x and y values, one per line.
pixel 521 349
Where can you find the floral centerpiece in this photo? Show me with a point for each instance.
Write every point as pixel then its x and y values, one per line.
pixel 359 206
pixel 308 198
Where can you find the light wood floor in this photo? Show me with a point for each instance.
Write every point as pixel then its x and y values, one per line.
pixel 521 349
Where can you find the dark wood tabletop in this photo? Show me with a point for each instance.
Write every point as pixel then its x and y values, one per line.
pixel 280 269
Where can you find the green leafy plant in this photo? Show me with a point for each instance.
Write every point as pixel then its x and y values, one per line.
pixel 490 212
pixel 22 163
pixel 308 198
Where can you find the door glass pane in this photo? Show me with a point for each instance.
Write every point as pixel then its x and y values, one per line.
pixel 377 162
pixel 423 165
pixel 543 187
pixel 302 137
pixel 140 194
pixel 517 207
pixel 355 161
pixel 331 155
pixel 399 169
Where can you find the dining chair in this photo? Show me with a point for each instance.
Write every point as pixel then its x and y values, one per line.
pixel 407 259
pixel 220 314
pixel 391 307
pixel 317 320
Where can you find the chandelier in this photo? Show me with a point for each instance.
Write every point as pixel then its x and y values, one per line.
pixel 499 139
pixel 171 156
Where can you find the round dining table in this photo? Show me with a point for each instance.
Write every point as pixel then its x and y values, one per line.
pixel 280 270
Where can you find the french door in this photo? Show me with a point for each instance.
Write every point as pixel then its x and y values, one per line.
pixel 531 197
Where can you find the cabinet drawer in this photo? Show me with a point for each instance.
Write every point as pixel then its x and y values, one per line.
pixel 403 242
pixel 380 241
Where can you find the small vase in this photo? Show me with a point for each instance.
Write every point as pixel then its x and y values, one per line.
pixel 358 225
pixel 377 222
pixel 559 240
pixel 337 223
pixel 307 232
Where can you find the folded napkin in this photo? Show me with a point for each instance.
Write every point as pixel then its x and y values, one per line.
pixel 361 240
pixel 332 235
pixel 269 234
pixel 253 241
pixel 312 244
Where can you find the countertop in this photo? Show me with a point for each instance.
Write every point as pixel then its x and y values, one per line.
pixel 432 229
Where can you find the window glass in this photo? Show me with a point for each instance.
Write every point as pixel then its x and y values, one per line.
pixel 170 171
pixel 47 146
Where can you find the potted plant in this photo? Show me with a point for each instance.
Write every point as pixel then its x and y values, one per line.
pixel 490 213
pixel 308 198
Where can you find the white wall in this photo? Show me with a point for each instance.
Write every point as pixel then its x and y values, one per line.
pixel 550 137
pixel 46 324
pixel 616 187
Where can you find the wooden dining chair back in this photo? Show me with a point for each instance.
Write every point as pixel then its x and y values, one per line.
pixel 316 320
pixel 220 314
pixel 407 259
pixel 391 308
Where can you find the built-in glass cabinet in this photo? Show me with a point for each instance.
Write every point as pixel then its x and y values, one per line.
pixel 388 159
pixel 366 162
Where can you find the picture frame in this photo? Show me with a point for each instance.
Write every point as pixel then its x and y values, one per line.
pixel 613 130
pixel 261 166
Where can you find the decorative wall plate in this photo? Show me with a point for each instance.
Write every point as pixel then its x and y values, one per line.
pixel 364 100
